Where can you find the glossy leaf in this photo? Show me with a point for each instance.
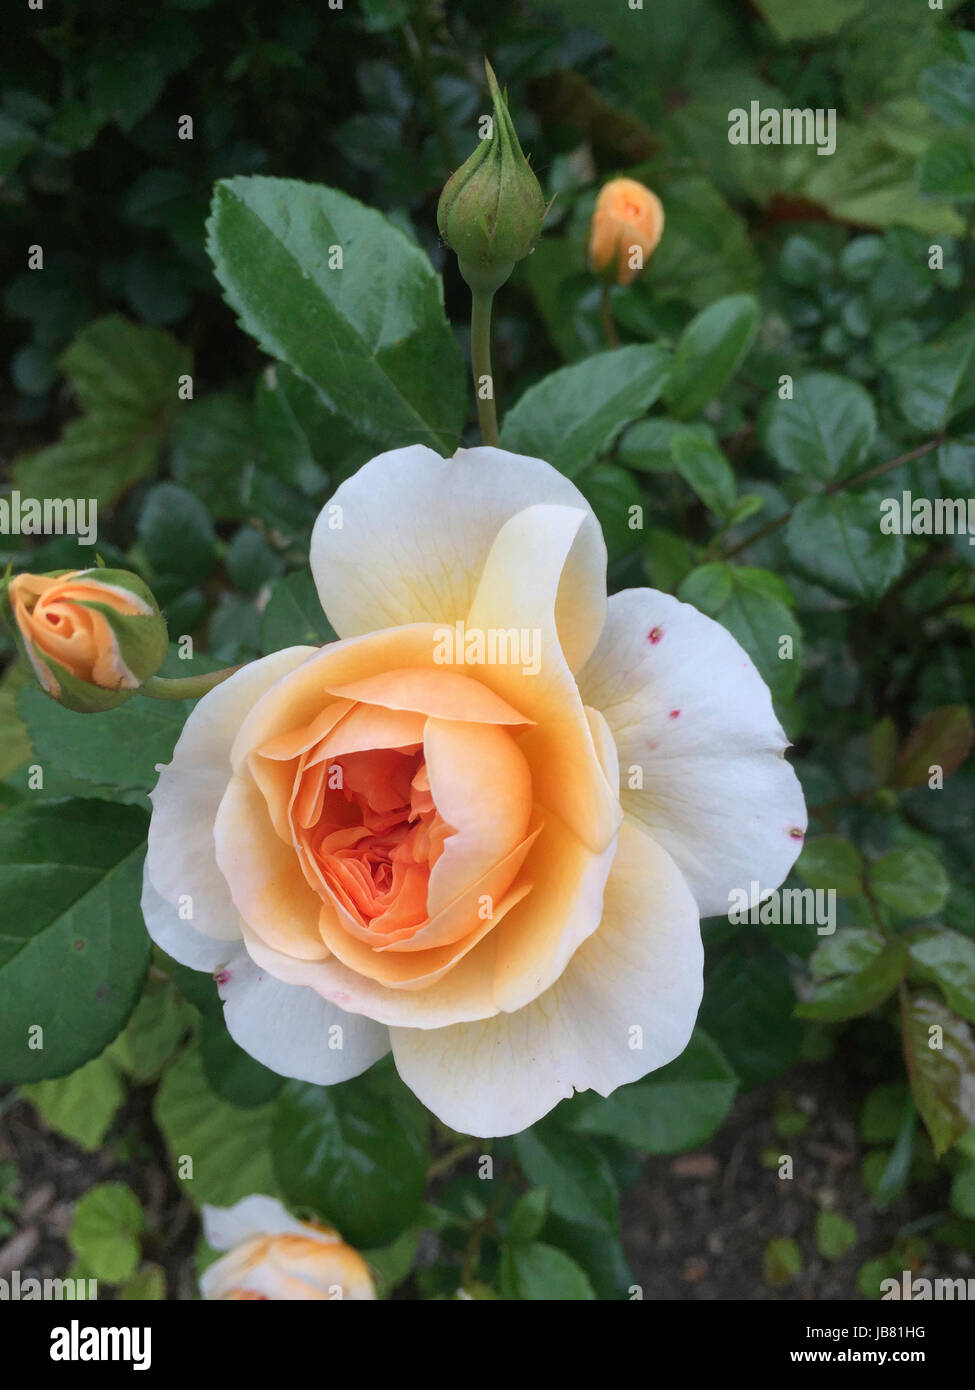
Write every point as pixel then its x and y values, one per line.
pixel 571 416
pixel 370 335
pixel 70 879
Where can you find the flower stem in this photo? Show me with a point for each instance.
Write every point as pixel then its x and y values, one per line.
pixel 184 687
pixel 606 317
pixel 487 415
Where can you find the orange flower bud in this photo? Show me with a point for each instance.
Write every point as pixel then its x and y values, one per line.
pixel 92 636
pixel 626 226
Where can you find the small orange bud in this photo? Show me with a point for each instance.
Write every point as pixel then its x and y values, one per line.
pixel 92 636
pixel 626 226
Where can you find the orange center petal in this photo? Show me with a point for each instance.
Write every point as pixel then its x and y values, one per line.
pixel 352 793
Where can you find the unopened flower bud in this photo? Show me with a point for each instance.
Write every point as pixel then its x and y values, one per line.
pixel 626 226
pixel 491 209
pixel 91 636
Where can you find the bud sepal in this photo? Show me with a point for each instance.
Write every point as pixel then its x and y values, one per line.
pixel 491 209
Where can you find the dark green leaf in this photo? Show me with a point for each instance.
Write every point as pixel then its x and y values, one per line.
pixel 294 616
pixel 570 417
pixel 911 882
pixel 354 1155
pixel 704 468
pixel 118 748
pixel 576 1175
pixel 541 1273
pixel 855 971
pixel 177 534
pixel 527 1216
pixel 708 353
pixel 829 861
pixel 934 383
pixel 370 336
pixel 948 958
pixel 837 542
pixel 824 431
pixel 73 951
pixel 748 1010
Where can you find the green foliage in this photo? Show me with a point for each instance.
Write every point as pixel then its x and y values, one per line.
pixel 81 1105
pixel 835 1235
pixel 781 1261
pixel 355 1154
pixel 673 1109
pixel 108 1222
pixel 538 1272
pixel 854 971
pixel 369 335
pixel 84 931
pixel 707 353
pixel 125 378
pixel 576 413
pixel 220 1152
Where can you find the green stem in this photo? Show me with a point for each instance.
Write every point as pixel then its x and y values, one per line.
pixel 487 414
pixel 184 687
pixel 606 317
pixel 841 486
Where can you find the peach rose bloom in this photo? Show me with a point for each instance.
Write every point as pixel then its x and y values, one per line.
pixel 493 867
pixel 55 618
pixel 627 216
pixel 274 1256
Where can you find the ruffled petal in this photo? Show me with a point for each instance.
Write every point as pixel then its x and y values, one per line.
pixel 482 787
pixel 625 1005
pixel 264 875
pixel 693 722
pixel 181 862
pixel 415 531
pixel 517 590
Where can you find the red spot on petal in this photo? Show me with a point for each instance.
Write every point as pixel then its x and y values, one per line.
pixel 675 714
pixel 655 634
pixel 221 977
pixel 797 834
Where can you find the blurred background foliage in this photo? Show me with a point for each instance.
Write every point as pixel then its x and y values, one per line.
pixel 851 274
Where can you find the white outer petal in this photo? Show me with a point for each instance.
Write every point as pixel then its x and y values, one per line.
pixel 416 531
pixel 286 1027
pixel 179 938
pixel 642 967
pixel 717 791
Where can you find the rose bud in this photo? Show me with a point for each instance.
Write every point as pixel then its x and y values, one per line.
pixel 92 636
pixel 491 209
pixel 273 1256
pixel 626 226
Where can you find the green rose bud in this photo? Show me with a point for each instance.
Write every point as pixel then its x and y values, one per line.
pixel 491 209
pixel 91 636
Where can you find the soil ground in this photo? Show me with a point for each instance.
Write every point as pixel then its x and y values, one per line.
pixel 694 1227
